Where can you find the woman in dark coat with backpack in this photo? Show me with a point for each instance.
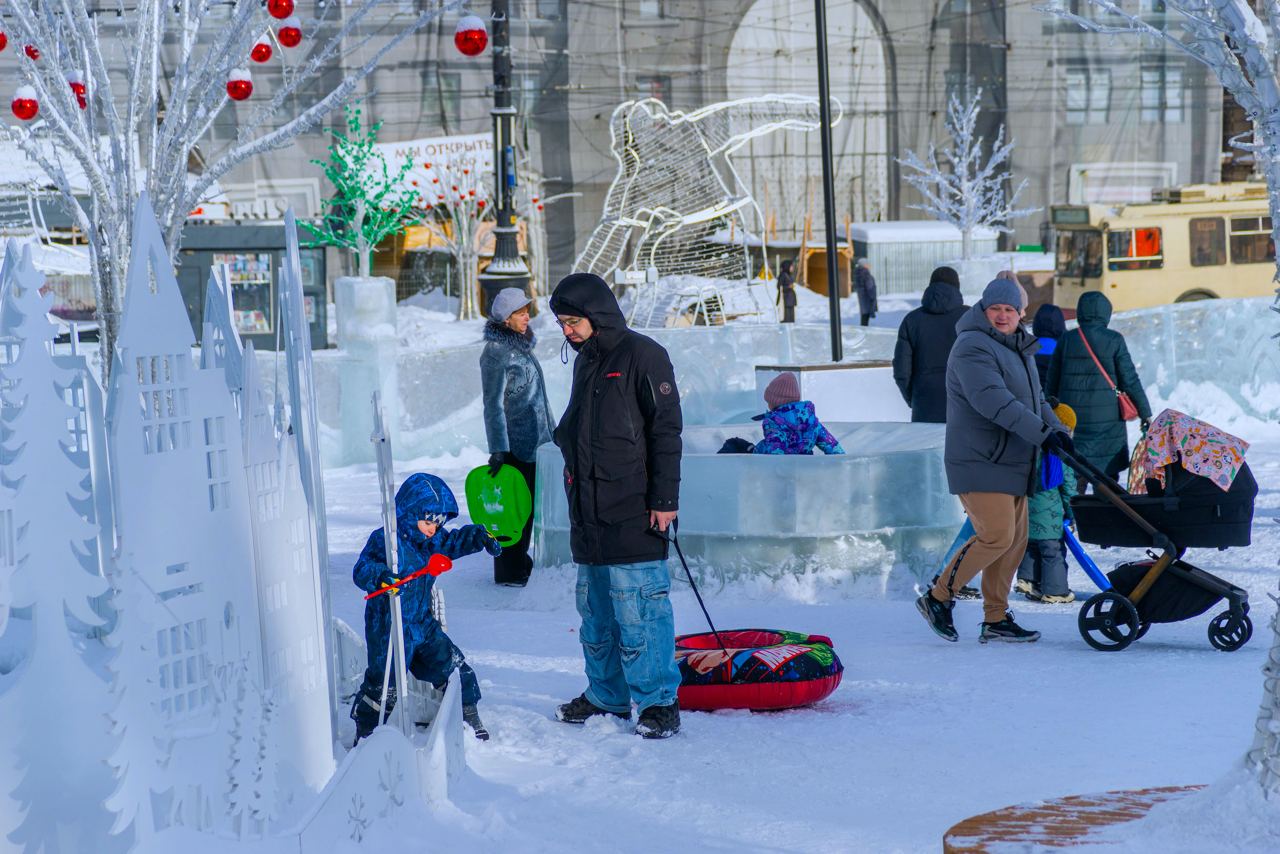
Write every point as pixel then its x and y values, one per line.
pixel 1090 388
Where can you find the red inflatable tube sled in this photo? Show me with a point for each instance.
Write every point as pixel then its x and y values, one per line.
pixel 759 669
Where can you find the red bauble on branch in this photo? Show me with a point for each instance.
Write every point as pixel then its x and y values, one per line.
pixel 279 9
pixel 239 84
pixel 4 40
pixel 261 50
pixel 470 38
pixel 31 51
pixel 76 81
pixel 25 106
pixel 290 32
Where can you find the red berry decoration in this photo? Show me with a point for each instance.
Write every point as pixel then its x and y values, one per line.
pixel 76 81
pixel 31 51
pixel 4 40
pixel 239 84
pixel 279 9
pixel 290 32
pixel 470 38
pixel 480 204
pixel 261 51
pixel 25 106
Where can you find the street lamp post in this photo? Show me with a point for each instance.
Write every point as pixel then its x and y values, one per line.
pixel 828 182
pixel 507 269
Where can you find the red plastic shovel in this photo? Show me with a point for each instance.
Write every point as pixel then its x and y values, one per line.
pixel 437 565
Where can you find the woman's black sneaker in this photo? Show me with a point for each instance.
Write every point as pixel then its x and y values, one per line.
pixel 938 616
pixel 1007 631
pixel 578 710
pixel 659 721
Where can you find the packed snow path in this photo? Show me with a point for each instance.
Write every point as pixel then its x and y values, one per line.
pixel 920 734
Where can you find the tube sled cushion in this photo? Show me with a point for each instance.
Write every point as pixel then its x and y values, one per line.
pixel 763 669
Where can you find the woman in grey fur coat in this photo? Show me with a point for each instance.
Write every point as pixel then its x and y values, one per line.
pixel 517 416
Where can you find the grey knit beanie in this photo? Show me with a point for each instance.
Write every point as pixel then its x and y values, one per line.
pixel 1002 292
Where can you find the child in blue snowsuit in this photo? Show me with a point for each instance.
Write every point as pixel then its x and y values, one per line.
pixel 423 505
pixel 791 426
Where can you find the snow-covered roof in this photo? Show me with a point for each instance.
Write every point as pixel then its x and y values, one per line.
pixel 53 258
pixel 911 231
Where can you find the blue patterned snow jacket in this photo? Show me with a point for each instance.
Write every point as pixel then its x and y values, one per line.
pixel 419 496
pixel 793 428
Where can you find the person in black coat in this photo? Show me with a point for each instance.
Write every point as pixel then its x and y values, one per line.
pixel 620 439
pixel 864 285
pixel 924 343
pixel 1049 325
pixel 787 291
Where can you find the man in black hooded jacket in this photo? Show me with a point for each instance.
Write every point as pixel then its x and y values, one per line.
pixel 924 343
pixel 620 439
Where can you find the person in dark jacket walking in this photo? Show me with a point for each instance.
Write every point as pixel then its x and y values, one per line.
pixel 1048 326
pixel 924 343
pixel 787 291
pixel 620 439
pixel 997 424
pixel 864 284
pixel 1076 380
pixel 517 416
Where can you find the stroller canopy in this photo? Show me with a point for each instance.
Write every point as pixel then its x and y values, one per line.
pixel 1203 449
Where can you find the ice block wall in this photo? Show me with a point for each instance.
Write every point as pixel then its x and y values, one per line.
pixel 882 505
pixel 1227 343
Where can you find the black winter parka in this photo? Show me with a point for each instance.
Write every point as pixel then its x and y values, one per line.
pixel 925 339
pixel 619 435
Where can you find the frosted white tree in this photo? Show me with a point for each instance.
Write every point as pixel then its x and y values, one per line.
pixel 178 60
pixel 142 741
pixel 961 183
pixel 264 802
pixel 1241 47
pixel 457 201
pixel 246 765
pixel 61 779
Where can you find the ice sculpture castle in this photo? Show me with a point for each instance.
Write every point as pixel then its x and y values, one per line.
pixel 161 574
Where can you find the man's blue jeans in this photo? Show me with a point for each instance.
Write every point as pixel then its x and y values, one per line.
pixel 628 635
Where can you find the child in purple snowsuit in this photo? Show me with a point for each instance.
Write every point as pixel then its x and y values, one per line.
pixel 790 425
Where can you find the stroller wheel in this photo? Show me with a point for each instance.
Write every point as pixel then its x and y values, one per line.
pixel 1229 632
pixel 1109 622
pixel 1142 630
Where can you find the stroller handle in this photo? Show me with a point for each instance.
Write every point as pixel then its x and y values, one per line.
pixel 1105 486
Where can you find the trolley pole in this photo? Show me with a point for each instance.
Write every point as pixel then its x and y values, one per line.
pixel 828 181
pixel 506 270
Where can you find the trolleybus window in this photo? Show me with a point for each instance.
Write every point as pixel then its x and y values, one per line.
pixel 1134 249
pixel 1079 254
pixel 1208 241
pixel 1251 240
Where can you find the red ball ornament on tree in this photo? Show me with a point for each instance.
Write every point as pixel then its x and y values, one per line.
pixel 239 84
pixel 290 32
pixel 31 51
pixel 261 50
pixel 480 204
pixel 4 40
pixel 25 106
pixel 76 81
pixel 279 9
pixel 470 38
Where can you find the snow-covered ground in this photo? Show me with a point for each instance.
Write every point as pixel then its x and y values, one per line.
pixel 920 734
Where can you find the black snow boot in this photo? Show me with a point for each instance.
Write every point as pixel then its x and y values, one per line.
pixel 366 711
pixel 938 616
pixel 1007 631
pixel 659 721
pixel 471 716
pixel 578 710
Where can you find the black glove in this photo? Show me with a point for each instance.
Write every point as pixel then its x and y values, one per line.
pixel 1146 425
pixel 496 462
pixel 1058 441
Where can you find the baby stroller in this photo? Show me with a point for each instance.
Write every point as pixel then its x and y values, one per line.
pixel 1186 511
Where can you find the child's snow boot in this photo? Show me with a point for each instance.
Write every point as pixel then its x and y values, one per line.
pixel 659 721
pixel 579 709
pixel 471 716
pixel 366 711
pixel 1065 599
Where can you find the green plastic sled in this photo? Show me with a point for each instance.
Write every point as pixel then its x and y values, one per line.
pixel 502 504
